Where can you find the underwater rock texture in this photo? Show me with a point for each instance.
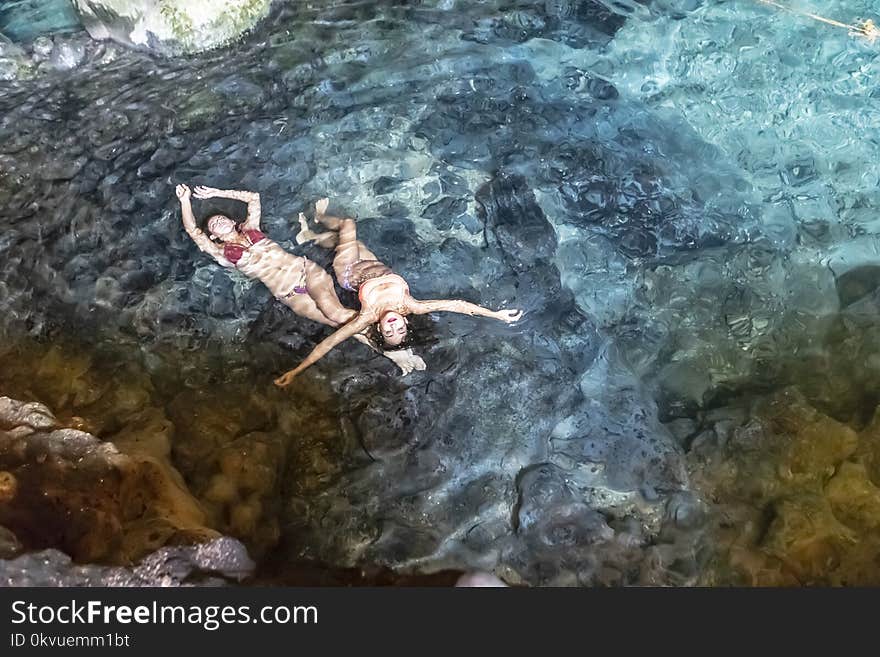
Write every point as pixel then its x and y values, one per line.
pixel 671 257
pixel 171 26
pixel 61 487
pixel 14 62
pixel 460 466
pixel 47 54
pixel 796 494
pixel 214 563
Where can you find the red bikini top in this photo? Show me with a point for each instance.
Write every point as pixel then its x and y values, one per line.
pixel 233 252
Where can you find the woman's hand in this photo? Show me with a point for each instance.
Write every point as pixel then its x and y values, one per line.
pixel 285 380
pixel 206 192
pixel 509 316
pixel 406 360
pixel 183 192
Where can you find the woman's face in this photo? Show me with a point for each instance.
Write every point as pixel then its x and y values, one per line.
pixel 221 227
pixel 393 328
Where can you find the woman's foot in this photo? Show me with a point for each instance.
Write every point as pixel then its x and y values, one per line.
pixel 305 233
pixel 326 240
pixel 333 223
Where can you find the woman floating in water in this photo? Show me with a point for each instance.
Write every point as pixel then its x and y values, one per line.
pixel 296 281
pixel 384 296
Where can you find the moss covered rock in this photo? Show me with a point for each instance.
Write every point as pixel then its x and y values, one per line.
pixel 14 62
pixel 171 27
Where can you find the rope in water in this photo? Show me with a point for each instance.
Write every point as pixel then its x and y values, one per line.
pixel 866 28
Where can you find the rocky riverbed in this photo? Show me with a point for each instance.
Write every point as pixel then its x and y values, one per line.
pixel 689 228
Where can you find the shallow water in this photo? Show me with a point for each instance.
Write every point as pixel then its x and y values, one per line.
pixel 681 198
pixel 23 20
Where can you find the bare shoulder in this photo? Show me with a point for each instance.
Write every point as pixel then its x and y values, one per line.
pixel 368 314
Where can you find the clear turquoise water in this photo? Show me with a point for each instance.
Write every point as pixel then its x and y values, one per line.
pixel 709 171
pixel 22 20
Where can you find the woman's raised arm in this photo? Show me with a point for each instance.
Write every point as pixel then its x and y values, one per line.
pixel 198 236
pixel 251 198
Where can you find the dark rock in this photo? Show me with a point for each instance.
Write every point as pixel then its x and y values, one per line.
pixel 220 562
pixel 445 211
pixel 139 280
pixel 856 283
pixel 577 24
pixel 516 222
pixel 570 523
pixel 616 441
pixel 222 302
pixel 62 170
pixel 601 89
pixel 385 185
pixel 9 545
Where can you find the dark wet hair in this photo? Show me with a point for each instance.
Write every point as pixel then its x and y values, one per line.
pixel 418 334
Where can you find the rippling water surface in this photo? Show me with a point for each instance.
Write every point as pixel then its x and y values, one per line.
pixel 682 196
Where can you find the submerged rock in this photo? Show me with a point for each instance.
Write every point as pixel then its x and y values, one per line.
pixel 66 489
pixel 47 55
pixel 14 62
pixel 217 562
pixel 9 544
pixel 479 580
pixel 481 463
pixel 21 20
pixel 171 26
pixel 857 283
pixel 67 55
pixel 793 498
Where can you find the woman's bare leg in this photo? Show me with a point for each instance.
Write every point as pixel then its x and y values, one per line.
pixel 326 240
pixel 347 250
pixel 333 223
pixel 331 238
pixel 365 253
pixel 343 232
pixel 321 290
pixel 304 306
pixel 318 301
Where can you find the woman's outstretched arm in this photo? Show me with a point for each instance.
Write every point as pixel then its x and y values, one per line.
pixel 354 327
pixel 189 223
pixel 251 198
pixel 462 307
